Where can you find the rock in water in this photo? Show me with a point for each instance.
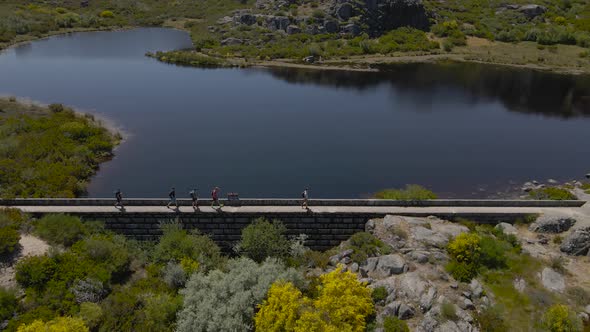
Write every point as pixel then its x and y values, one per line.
pixel 552 280
pixel 577 243
pixel 552 224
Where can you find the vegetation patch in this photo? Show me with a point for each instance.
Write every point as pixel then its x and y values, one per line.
pixel 49 151
pixel 365 245
pixel 410 193
pixel 262 239
pixel 552 193
pixel 342 304
pixel 190 58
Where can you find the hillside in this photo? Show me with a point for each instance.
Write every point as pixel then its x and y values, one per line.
pixel 547 34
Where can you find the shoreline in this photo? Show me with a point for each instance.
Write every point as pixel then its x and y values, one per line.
pixel 355 64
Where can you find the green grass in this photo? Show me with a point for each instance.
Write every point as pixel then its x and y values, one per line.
pixel 48 151
pixel 411 192
pixel 552 193
pixel 520 309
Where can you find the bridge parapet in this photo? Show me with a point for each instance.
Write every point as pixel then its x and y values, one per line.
pixel 296 202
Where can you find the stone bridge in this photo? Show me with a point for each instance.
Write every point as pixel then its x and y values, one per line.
pixel 327 222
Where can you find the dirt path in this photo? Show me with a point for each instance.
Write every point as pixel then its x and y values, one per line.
pixel 30 246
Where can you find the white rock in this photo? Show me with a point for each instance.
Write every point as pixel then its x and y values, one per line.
pixel 507 228
pixel 412 286
pixel 476 288
pixel 552 280
pixel 388 265
pixel 427 299
pixel 519 284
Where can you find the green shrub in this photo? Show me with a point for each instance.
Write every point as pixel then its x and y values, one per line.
pixel 176 244
pixel 317 258
pixel 7 304
pixel 462 271
pixel 107 14
pixel 262 239
pixel 552 193
pixel 448 311
pixel 91 314
pixel 226 301
pixel 145 305
pixel 490 320
pixel 365 245
pixel 411 192
pixel 394 324
pixel 107 252
pixel 493 252
pixel 379 294
pixel 9 238
pixel 559 318
pixel 580 295
pixel 60 229
pixel 35 271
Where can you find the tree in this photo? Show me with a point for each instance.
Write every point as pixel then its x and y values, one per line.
pixel 262 239
pixel 343 303
pixel 177 244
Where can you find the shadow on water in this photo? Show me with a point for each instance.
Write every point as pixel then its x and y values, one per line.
pixel 520 90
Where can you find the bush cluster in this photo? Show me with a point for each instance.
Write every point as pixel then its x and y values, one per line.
pixel 226 301
pixel 46 153
pixel 365 245
pixel 472 252
pixel 410 193
pixel 552 193
pixel 262 239
pixel 342 304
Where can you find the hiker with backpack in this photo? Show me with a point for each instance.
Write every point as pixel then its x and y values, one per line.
pixel 304 196
pixel 172 195
pixel 195 198
pixel 215 198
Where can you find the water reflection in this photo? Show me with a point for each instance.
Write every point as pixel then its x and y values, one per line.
pixel 519 90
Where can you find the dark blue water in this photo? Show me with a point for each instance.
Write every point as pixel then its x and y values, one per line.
pixel 456 128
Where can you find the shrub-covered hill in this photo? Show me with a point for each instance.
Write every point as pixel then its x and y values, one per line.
pixel 49 151
pixel 331 29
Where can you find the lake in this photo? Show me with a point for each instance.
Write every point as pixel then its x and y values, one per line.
pixel 463 130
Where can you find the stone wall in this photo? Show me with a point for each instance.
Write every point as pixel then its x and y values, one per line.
pixel 324 230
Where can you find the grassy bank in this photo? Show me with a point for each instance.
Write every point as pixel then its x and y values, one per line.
pixel 49 151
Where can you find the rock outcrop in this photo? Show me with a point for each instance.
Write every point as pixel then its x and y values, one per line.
pixel 552 280
pixel 549 223
pixel 577 243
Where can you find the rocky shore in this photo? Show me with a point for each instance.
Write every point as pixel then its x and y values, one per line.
pixel 420 291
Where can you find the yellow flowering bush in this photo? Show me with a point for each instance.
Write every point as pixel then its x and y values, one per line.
pixel 559 318
pixel 189 265
pixel 60 324
pixel 343 304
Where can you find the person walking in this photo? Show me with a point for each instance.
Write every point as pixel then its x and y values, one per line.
pixel 215 198
pixel 305 197
pixel 195 198
pixel 119 198
pixel 172 195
